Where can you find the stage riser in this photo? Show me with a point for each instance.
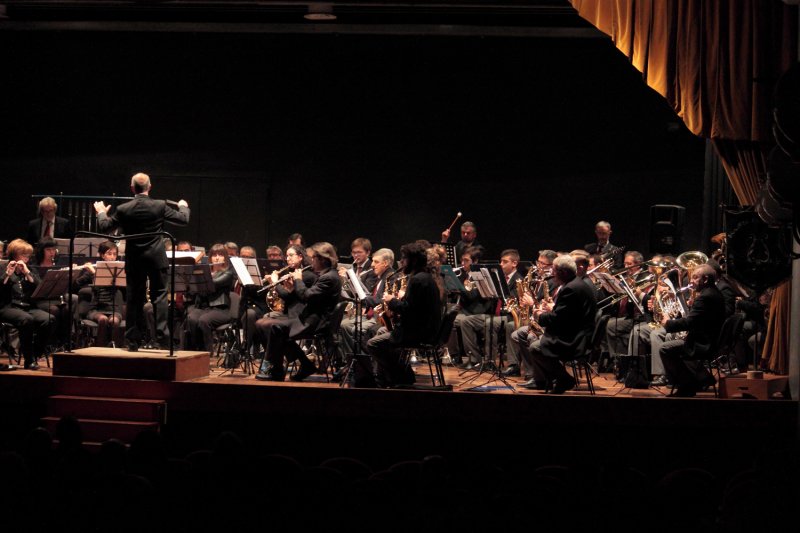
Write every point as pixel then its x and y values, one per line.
pixel 142 365
pixel 102 430
pixel 131 410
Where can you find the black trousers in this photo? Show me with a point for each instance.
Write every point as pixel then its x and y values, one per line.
pixel 36 327
pixel 138 276
pixel 273 334
pixel 685 373
pixel 200 325
pixel 545 368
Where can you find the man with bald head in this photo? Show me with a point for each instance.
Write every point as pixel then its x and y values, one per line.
pixel 681 357
pixel 145 258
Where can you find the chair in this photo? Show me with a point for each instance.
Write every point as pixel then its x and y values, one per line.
pixel 230 350
pixel 728 337
pixel 7 333
pixel 326 340
pixel 582 362
pixel 432 351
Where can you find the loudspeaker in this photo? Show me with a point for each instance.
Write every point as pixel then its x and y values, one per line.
pixel 666 228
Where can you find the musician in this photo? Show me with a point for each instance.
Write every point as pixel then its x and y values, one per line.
pixel 46 253
pixel 296 259
pixel 278 335
pixel 724 286
pixel 472 326
pixel 469 237
pixel 681 358
pixel 625 313
pixel 274 253
pixel 470 303
pixel 212 310
pixel 420 314
pixel 232 249
pixel 522 337
pixel 360 249
pixel 568 326
pixel 47 224
pixel 182 246
pixel 146 257
pixel 247 252
pixel 602 246
pixel 35 326
pixel 295 238
pixel 105 307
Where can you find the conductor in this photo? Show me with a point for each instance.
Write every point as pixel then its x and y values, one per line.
pixel 146 257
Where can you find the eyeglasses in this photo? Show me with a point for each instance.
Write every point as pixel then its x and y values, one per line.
pixel 540 263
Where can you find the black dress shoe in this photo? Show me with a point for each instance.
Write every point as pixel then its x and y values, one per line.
pixel 470 366
pixel 133 347
pixel 685 393
pixel 31 366
pixel 272 376
pixel 512 371
pixel 304 371
pixel 532 384
pixel 560 386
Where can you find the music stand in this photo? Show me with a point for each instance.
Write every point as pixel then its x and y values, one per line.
pixel 195 279
pixel 249 277
pixel 490 285
pixel 111 274
pixel 450 254
pixel 359 294
pixel 54 285
pixel 84 246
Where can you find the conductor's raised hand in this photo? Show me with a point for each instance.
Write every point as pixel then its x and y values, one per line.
pixel 100 207
pixel 183 203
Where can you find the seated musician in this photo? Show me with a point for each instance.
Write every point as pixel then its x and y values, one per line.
pixel 473 326
pixel 469 237
pixel 46 252
pixel 278 335
pixel 382 262
pixel 470 303
pixel 106 306
pixel 625 313
pixel 247 252
pixel 35 326
pixel 681 357
pixel 420 312
pixel 210 311
pixel 544 285
pixel 360 249
pixel 568 325
pixel 232 248
pixel 274 253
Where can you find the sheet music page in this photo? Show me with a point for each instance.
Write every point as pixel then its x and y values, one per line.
pixel 356 284
pixel 241 271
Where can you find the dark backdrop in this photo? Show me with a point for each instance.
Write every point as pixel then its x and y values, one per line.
pixel 338 136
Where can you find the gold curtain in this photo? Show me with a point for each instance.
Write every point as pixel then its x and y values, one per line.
pixel 716 63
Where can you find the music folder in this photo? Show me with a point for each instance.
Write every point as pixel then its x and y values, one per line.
pixel 483 281
pixel 195 279
pixel 609 283
pixel 54 285
pixel 451 281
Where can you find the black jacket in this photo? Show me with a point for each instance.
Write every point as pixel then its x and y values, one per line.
pixel 144 215
pixel 569 326
pixel 420 311
pixel 63 229
pixel 292 304
pixel 703 323
pixel 320 299
pixel 18 290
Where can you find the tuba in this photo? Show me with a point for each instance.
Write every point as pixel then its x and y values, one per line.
pixel 689 261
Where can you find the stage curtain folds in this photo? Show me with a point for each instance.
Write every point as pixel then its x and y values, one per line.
pixel 716 63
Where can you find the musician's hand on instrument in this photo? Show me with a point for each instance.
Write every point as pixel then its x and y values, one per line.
pixel 100 207
pixel 22 266
pixel 527 300
pixel 288 283
pixel 388 297
pixel 183 203
pixel 12 266
pixel 297 274
pixel 401 294
pixel 274 277
pixel 664 319
pixel 342 272
pixel 650 304
pixel 445 235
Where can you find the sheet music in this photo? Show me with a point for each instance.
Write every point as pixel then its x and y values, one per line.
pixel 246 269
pixel 355 284
pixel 194 255
pixel 110 273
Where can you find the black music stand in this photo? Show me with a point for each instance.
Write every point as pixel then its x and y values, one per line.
pixel 249 277
pixel 55 284
pixel 195 279
pixel 359 293
pixel 491 284
pixel 450 254
pixel 111 274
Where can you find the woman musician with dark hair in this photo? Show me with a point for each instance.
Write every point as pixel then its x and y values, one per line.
pixel 106 306
pixel 210 310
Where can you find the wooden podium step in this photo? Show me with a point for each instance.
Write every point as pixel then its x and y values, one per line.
pixel 102 430
pixel 95 408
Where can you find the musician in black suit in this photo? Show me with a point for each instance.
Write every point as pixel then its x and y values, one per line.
pixel 469 237
pixel 145 258
pixel 18 283
pixel 603 246
pixel 420 312
pixel 703 324
pixel 568 328
pixel 47 224
pixel 278 335
pixel 725 287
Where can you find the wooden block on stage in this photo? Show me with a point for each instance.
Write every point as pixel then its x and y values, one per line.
pixel 144 364
pixel 738 386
